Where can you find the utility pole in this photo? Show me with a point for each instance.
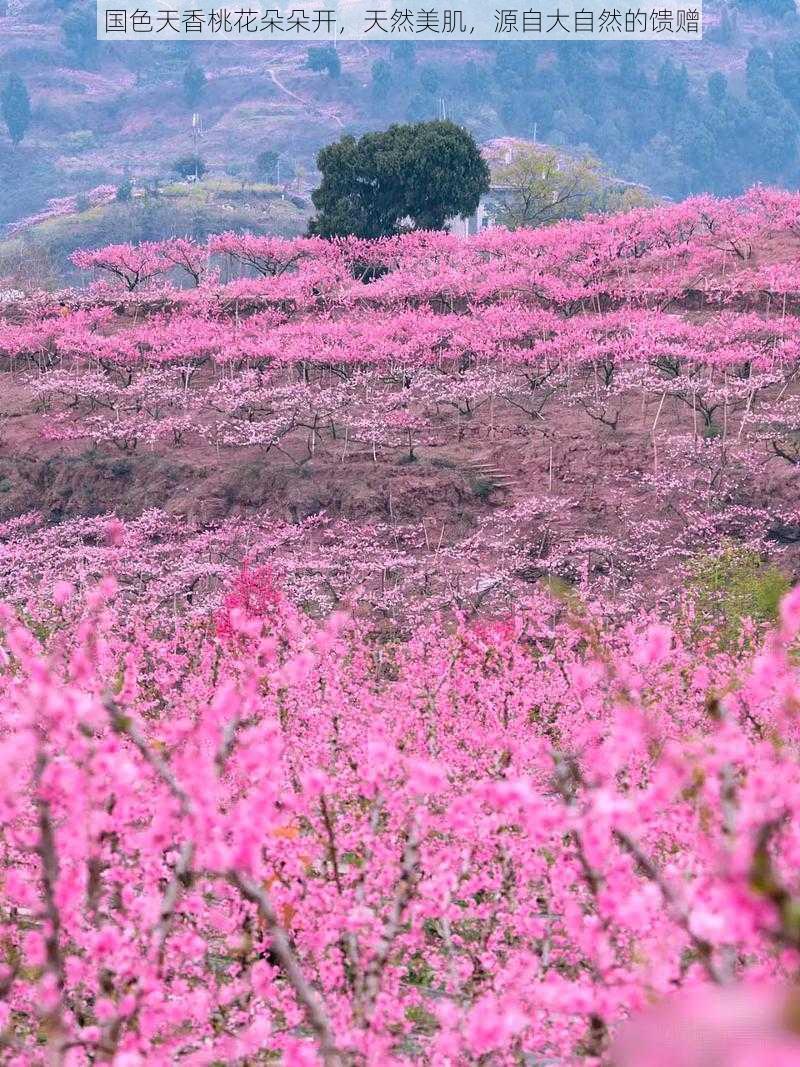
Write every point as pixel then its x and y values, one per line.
pixel 197 130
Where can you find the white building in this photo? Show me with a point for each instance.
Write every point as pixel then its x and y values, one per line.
pixel 468 227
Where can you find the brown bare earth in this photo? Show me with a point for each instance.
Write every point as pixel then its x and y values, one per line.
pixel 450 488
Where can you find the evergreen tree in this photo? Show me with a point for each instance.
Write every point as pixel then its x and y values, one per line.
pixel 382 80
pixel 430 79
pixel 403 53
pixel 409 175
pixel 325 58
pixel 16 107
pixel 79 29
pixel 473 80
pixel 717 88
pixel 631 75
pixel 266 165
pixel 759 64
pixel 725 30
pixel 672 84
pixel 786 70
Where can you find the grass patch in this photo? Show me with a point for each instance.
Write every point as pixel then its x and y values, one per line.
pixel 733 585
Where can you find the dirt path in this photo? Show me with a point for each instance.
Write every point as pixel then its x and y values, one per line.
pixel 328 114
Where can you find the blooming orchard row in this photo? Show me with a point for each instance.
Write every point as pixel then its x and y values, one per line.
pixel 701 250
pixel 398 343
pixel 406 572
pixel 376 380
pixel 241 832
pixel 715 397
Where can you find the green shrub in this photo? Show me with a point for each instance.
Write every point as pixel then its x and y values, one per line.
pixel 711 432
pixel 484 487
pixel 736 584
pixel 189 167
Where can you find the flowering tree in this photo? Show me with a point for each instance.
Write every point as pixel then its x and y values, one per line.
pixel 127 264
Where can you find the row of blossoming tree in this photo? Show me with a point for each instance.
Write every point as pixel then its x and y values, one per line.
pixel 351 351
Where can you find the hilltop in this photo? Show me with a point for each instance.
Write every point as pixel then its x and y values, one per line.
pixel 36 251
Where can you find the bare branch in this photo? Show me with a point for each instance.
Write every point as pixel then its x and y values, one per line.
pixel 406 886
pixel 287 961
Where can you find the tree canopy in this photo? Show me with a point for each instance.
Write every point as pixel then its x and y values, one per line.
pixel 16 107
pixel 407 177
pixel 326 59
pixel 194 82
pixel 540 186
pixel 189 166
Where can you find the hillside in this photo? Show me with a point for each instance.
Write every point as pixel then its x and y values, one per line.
pixel 103 111
pixel 594 402
pixel 36 251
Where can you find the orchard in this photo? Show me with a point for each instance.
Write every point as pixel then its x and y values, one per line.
pixel 487 790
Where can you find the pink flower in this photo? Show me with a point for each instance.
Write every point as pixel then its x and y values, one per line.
pixel 790 613
pixel 425 776
pixel 62 593
pixel 654 646
pixel 491 1025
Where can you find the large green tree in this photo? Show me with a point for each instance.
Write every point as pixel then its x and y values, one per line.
pixel 16 107
pixel 407 177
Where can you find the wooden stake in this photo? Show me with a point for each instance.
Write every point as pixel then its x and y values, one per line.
pixel 694 416
pixel 658 413
pixel 746 413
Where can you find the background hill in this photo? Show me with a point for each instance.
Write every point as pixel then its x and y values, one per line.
pixel 715 115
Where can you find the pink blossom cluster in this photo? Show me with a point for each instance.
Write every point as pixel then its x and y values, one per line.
pixel 242 833
pixel 65 205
